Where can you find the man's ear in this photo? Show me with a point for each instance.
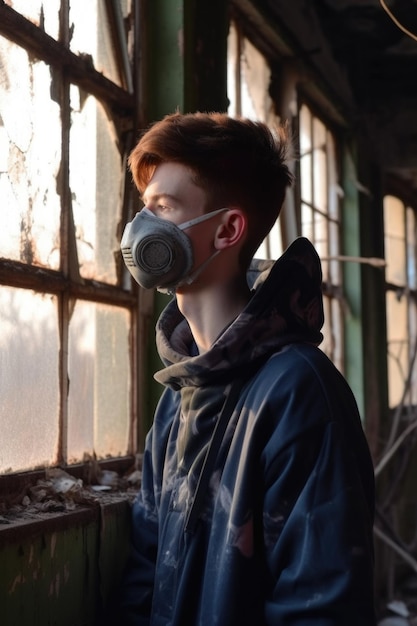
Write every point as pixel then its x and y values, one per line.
pixel 232 230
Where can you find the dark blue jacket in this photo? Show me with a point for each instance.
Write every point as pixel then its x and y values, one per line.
pixel 276 528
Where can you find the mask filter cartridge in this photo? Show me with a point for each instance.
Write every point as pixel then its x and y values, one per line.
pixel 157 252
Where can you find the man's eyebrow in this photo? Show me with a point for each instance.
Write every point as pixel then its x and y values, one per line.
pixel 157 196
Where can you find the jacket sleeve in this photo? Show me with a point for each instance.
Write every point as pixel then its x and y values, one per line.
pixel 138 583
pixel 318 510
pixel 137 587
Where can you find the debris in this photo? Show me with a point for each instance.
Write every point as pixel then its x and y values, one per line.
pixel 399 608
pixel 134 478
pixel 108 478
pixel 59 491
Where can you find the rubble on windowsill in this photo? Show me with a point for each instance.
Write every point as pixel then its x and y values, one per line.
pixel 400 613
pixel 60 492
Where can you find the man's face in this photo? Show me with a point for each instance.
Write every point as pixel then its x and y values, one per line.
pixel 172 195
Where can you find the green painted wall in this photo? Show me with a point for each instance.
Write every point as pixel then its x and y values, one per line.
pixel 61 570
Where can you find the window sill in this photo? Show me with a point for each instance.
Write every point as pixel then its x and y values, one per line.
pixel 55 499
pixel 24 524
pixel 63 567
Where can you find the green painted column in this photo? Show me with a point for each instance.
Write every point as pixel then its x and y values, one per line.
pixel 185 57
pixel 352 283
pixel 184 68
pixel 373 300
pixel 365 330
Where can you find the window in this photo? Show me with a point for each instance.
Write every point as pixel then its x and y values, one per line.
pixel 317 182
pixel 248 79
pixel 67 309
pixel 320 219
pixel 401 300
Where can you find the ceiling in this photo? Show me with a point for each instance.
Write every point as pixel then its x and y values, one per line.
pixel 379 61
pixel 380 57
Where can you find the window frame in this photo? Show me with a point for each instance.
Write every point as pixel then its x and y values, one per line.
pixel 123 105
pixel 333 292
pixel 395 189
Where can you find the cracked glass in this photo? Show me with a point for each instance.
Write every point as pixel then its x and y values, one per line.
pixel 30 156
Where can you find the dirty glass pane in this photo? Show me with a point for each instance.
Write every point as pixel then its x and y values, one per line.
pixel 320 182
pixel 43 13
pixel 397 346
pixel 99 375
pixel 335 270
pixel 248 80
pixel 321 239
pixel 307 222
pixel 306 171
pixel 271 247
pixel 92 35
pixel 305 130
pixel 335 190
pixel 332 331
pixel 329 338
pixel 337 329
pixel 96 176
pixel 395 249
pixel 233 70
pixel 256 78
pixel 29 384
pixel 319 134
pixel 30 153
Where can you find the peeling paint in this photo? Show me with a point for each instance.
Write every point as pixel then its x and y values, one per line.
pixel 19 580
pixel 180 42
pixel 53 544
pixel 67 571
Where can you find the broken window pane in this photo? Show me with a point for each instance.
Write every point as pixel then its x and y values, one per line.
pixel 92 35
pixel 248 79
pixel 29 383
pixel 42 13
pixel 30 154
pixel 248 82
pixel 96 176
pixel 99 381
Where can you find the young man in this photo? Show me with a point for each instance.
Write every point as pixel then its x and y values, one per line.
pixel 256 505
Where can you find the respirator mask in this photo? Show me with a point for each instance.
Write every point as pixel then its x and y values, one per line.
pixel 158 253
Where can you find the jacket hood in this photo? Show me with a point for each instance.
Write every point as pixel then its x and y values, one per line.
pixel 286 307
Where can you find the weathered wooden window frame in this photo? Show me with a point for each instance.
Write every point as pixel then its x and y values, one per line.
pixel 122 106
pixel 330 252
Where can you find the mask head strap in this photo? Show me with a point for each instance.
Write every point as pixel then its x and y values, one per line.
pixel 200 218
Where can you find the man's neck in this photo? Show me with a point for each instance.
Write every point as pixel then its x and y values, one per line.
pixel 209 311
